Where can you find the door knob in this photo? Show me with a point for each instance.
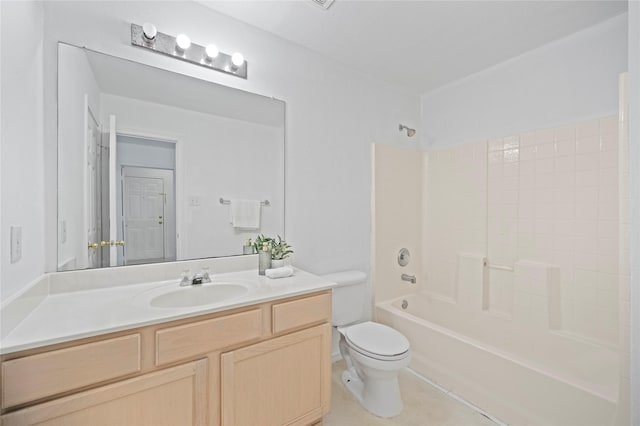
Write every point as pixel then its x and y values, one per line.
pixel 105 243
pixel 119 243
pixel 160 222
pixel 93 245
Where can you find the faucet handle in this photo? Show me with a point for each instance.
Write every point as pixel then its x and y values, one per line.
pixel 185 277
pixel 206 278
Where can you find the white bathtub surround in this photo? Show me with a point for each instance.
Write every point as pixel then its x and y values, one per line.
pixel 524 272
pixel 454 217
pixel 521 378
pixel 536 295
pixel 548 196
pixel 397 206
pixel 472 281
pixel 72 305
pixel 624 265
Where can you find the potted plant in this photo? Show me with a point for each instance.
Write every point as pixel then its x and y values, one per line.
pixel 280 250
pixel 260 241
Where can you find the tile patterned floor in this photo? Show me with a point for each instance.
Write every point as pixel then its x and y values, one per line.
pixel 423 405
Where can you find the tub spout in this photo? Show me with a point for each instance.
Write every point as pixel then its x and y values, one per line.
pixel 410 278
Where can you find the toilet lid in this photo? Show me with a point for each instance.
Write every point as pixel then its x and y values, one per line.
pixel 377 339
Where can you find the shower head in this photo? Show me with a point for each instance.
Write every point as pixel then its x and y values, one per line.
pixel 410 132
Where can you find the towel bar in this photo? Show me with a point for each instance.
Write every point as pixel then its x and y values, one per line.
pixel 264 203
pixel 499 267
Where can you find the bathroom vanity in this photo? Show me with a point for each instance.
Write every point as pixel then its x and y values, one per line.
pixel 263 358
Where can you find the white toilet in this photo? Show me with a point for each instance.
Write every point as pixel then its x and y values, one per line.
pixel 374 353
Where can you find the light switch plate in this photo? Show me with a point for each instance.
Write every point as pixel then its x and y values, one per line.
pixel 16 243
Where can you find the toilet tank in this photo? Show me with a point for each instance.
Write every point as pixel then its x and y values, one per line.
pixel 348 296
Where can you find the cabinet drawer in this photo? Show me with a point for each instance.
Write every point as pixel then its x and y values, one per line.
pixel 298 313
pixel 38 376
pixel 173 396
pixel 184 341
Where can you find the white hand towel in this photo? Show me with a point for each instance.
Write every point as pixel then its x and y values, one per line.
pixel 285 271
pixel 245 214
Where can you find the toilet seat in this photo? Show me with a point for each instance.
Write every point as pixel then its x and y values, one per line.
pixel 377 341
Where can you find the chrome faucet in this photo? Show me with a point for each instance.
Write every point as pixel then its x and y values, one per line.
pixel 200 278
pixel 410 278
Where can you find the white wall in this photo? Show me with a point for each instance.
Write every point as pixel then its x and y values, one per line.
pixel 569 80
pixel 21 134
pixel 333 115
pixel 216 157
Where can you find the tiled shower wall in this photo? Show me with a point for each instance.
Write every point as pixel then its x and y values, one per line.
pixel 549 196
pixel 454 213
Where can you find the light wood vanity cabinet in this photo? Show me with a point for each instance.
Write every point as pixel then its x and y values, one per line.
pixel 266 364
pixel 278 381
pixel 174 396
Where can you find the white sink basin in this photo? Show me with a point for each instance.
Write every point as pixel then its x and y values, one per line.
pixel 173 296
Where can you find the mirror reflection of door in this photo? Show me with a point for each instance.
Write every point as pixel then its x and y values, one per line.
pixel 91 199
pixel 145 214
pixel 146 208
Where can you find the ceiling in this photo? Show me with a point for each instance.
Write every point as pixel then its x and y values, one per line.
pixel 420 45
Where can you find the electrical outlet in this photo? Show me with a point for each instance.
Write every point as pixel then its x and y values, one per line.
pixel 194 200
pixel 16 243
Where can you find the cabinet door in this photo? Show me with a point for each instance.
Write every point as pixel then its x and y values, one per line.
pixel 282 381
pixel 175 396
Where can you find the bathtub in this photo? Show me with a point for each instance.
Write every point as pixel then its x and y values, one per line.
pixel 521 375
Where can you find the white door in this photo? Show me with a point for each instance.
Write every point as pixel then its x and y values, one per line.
pixel 145 214
pixel 91 190
pixel 113 220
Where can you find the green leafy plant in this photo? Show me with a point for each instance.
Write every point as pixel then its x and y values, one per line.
pixel 280 249
pixel 260 240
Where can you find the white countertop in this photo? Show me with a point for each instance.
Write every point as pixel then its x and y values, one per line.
pixel 66 316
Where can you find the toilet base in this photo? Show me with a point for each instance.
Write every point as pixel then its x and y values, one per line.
pixel 381 398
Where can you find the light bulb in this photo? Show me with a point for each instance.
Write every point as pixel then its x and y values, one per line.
pixel 237 59
pixel 149 31
pixel 212 51
pixel 183 41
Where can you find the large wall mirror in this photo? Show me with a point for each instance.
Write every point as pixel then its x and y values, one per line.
pixel 156 166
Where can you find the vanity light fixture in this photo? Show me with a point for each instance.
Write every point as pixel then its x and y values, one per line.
pixel 149 32
pixel 211 52
pixel 237 59
pixel 183 42
pixel 180 47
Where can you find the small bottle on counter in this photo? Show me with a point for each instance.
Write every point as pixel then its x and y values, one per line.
pixel 264 259
pixel 248 247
